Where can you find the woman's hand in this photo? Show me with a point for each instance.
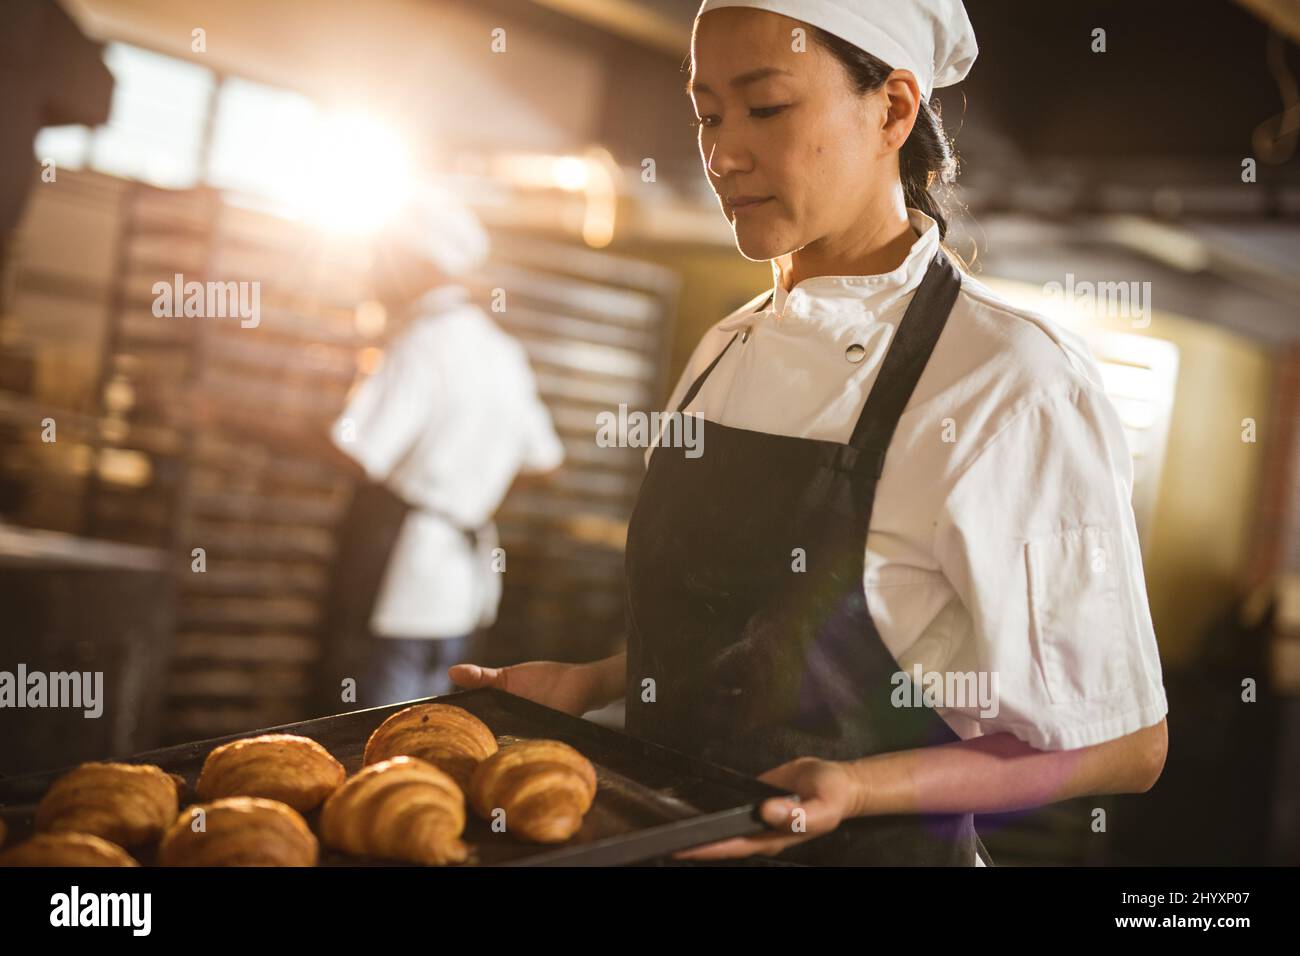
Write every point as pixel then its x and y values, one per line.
pixel 827 791
pixel 566 687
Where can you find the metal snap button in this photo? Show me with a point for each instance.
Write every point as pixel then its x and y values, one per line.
pixel 744 335
pixel 855 353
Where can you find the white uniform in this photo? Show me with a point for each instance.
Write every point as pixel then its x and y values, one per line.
pixel 445 423
pixel 1003 538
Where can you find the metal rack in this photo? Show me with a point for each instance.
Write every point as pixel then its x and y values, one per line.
pixel 596 327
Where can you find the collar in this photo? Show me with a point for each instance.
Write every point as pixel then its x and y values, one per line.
pixel 837 302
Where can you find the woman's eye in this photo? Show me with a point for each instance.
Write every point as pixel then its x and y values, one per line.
pixel 761 112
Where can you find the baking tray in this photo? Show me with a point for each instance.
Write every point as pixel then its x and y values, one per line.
pixel 650 800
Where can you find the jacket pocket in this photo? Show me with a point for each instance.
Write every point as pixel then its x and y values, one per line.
pixel 1077 614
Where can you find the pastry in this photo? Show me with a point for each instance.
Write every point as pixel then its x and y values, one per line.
pixel 239 831
pixel 398 809
pixel 449 737
pixel 181 786
pixel 66 849
pixel 126 804
pixel 294 770
pixel 544 787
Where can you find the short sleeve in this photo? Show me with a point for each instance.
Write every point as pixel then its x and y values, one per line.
pixel 1038 538
pixel 388 410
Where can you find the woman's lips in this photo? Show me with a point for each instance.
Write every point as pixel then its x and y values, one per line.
pixel 746 203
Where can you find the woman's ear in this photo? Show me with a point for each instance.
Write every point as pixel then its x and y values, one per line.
pixel 903 101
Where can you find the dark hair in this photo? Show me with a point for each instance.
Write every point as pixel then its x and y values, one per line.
pixel 927 157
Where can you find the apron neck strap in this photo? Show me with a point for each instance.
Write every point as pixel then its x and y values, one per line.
pixel 913 343
pixel 908 354
pixel 699 380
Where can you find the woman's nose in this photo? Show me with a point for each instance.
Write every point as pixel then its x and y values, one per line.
pixel 725 156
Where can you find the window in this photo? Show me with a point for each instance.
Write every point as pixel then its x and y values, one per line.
pixel 176 124
pixel 68 146
pixel 155 130
pixel 155 133
pixel 259 139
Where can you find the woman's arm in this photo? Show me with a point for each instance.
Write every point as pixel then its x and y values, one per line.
pixel 985 775
pixel 608 679
pixel 1000 773
pixel 572 688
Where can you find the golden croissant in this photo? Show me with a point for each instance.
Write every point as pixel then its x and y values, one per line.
pixel 449 737
pixel 66 849
pixel 544 786
pixel 126 804
pixel 294 770
pixel 239 831
pixel 398 809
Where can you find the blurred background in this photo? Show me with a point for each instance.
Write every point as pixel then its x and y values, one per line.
pixel 262 141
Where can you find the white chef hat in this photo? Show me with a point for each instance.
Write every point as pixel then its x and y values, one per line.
pixel 440 229
pixel 932 38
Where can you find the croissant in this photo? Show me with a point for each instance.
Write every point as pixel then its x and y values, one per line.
pixel 239 831
pixel 181 786
pixel 449 737
pixel 66 849
pixel 544 787
pixel 294 770
pixel 126 804
pixel 400 809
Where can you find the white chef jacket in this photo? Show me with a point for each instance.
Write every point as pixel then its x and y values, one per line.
pixel 446 422
pixel 1003 538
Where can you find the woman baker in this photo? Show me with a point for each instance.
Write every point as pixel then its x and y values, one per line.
pixel 902 475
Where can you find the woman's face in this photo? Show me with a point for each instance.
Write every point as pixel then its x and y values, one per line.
pixel 784 132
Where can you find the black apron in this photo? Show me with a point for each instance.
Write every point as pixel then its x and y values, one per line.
pixel 754 663
pixel 364 541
